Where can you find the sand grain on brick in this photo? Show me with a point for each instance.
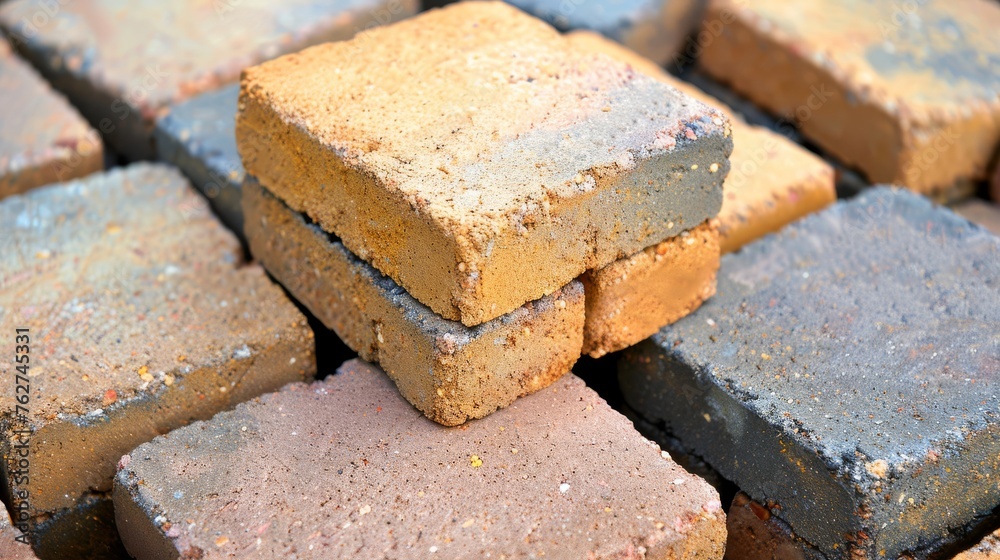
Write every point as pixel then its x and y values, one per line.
pixel 475 158
pixel 449 371
pixel 141 318
pixel 42 138
pixel 850 361
pixel 124 64
pixel 908 94
pixel 772 181
pixel 559 473
pixel 655 29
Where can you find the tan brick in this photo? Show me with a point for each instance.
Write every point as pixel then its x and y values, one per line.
pixel 987 549
pixel 141 318
pixel 42 138
pixel 449 371
pixel 772 181
pixel 980 212
pixel 559 474
pixel 13 543
pixel 905 92
pixel 123 65
pixel 630 299
pixel 475 158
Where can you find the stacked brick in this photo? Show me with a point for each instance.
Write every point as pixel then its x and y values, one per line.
pixel 844 378
pixel 906 92
pixel 124 66
pixel 134 315
pixel 433 189
pixel 291 474
pixel 772 181
pixel 42 138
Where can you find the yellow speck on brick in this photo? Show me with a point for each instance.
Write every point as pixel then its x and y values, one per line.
pixel 878 468
pixel 221 541
pixel 475 461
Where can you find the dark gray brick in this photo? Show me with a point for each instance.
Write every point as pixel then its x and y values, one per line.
pixel 846 372
pixel 199 137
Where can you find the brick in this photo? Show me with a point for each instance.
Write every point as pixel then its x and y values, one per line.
pixel 905 93
pixel 632 298
pixel 476 194
pixel 988 549
pixel 846 366
pixel 656 29
pixel 13 545
pixel 995 183
pixel 86 530
pixel 772 181
pixel 123 67
pixel 985 214
pixel 198 136
pixel 42 138
pixel 142 318
pixel 558 473
pixel 754 534
pixel 449 371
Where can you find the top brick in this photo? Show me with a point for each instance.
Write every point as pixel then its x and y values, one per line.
pixel 122 64
pixel 474 157
pixel 907 92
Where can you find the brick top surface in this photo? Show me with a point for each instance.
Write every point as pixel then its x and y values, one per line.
pixel 127 282
pixel 921 54
pixel 10 547
pixel 157 52
pixel 870 327
pixel 43 122
pixel 558 472
pixel 493 116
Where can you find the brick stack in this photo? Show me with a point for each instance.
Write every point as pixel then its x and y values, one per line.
pixel 845 378
pixel 124 65
pixel 906 92
pixel 432 190
pixel 138 316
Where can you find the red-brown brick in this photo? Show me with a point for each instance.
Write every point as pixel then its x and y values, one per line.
pixel 347 468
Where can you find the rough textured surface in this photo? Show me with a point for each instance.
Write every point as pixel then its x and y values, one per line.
pixel 772 181
pixel 449 371
pixel 558 474
pixel 754 534
pixel 847 372
pixel 632 298
pixel 124 62
pixel 199 137
pixel 655 29
pixel 13 545
pixel 42 138
pixel 475 158
pixel 909 93
pixel 980 212
pixel 988 549
pixel 142 318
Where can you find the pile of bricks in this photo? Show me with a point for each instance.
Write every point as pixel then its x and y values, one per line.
pixel 597 311
pixel 474 235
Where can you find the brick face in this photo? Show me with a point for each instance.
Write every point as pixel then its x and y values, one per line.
pixel 834 367
pixel 558 473
pixel 906 93
pixel 42 138
pixel 142 318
